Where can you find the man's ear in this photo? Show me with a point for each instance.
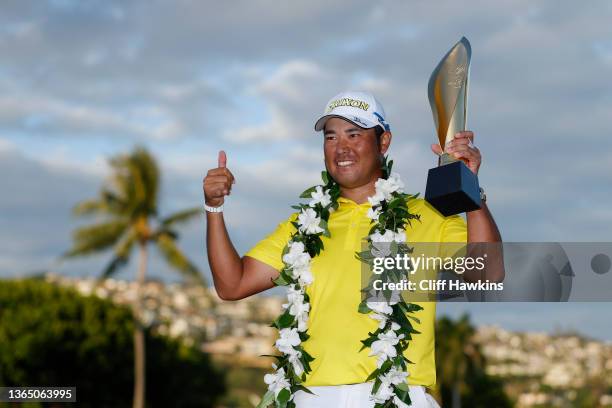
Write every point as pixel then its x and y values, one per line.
pixel 385 142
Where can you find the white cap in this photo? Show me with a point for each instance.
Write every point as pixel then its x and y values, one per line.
pixel 361 108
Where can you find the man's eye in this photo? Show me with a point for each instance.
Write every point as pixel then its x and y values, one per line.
pixel 330 137
pixel 353 135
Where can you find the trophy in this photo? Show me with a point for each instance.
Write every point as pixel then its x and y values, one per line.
pixel 452 188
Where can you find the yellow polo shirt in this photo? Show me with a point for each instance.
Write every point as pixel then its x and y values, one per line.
pixel 335 326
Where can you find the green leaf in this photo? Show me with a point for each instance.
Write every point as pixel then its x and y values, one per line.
pixel 307 356
pixel 323 224
pixel 302 388
pixel 363 308
pixel 396 202
pixel 271 355
pixel 284 321
pixel 403 393
pixel 367 342
pixel 283 396
pixel 266 400
pixel 376 386
pixel 411 317
pixel 307 193
pixel 325 177
pixel 372 375
pixel 410 307
pixel 386 366
pixel 282 280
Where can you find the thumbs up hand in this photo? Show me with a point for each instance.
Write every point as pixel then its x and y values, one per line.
pixel 218 182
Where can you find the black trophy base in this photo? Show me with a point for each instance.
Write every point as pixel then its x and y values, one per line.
pixel 452 189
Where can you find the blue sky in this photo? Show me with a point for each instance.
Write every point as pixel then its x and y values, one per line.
pixel 83 80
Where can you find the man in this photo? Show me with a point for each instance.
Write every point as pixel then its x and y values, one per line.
pixel 356 136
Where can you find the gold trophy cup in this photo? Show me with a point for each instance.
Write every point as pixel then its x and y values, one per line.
pixel 452 188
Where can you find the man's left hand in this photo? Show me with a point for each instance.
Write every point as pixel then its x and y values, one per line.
pixel 462 147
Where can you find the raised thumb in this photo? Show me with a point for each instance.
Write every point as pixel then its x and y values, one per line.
pixel 222 159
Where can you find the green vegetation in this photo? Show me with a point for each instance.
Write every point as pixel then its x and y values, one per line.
pixel 460 366
pixel 52 336
pixel 245 384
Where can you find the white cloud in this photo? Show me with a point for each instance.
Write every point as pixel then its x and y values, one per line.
pixel 190 82
pixel 277 128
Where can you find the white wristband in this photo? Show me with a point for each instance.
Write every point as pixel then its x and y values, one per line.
pixel 213 209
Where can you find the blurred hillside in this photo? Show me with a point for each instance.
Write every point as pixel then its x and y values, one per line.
pixel 534 369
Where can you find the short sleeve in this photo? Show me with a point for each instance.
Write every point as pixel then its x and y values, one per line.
pixel 453 236
pixel 454 229
pixel 269 250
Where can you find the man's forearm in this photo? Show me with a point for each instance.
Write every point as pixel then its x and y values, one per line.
pixel 485 240
pixel 225 263
pixel 481 226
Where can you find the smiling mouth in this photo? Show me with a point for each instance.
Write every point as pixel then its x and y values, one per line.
pixel 345 163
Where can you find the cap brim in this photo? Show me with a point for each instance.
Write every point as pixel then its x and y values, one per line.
pixel 363 123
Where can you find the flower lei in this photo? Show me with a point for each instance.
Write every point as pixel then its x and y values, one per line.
pixel 389 214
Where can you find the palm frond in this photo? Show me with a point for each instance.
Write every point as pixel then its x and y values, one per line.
pixel 181 216
pixel 149 175
pixel 121 254
pixel 175 258
pixel 96 237
pixel 113 266
pixel 88 207
pixel 136 180
pixel 115 203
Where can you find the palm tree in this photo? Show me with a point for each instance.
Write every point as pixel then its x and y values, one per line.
pixel 127 204
pixel 457 356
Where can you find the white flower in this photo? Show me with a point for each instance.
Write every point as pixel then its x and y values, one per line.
pixel 382 319
pixel 293 296
pixel 400 236
pixel 277 381
pixel 302 320
pixel 380 306
pixel 288 338
pixel 302 273
pixel 377 298
pixel 394 376
pixel 297 307
pixel 388 236
pixel 294 360
pixel 305 276
pixel 377 198
pixel 380 249
pixel 389 186
pixel 383 393
pixel 296 257
pixel 309 222
pixel 373 213
pixel 384 347
pixel 320 196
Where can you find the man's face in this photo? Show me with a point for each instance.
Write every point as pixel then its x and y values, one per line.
pixel 352 154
